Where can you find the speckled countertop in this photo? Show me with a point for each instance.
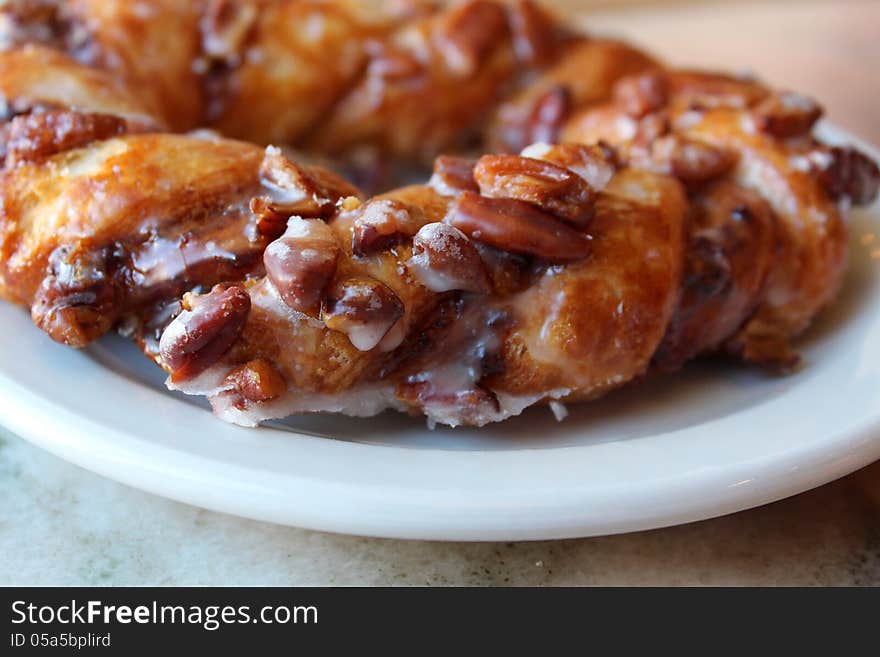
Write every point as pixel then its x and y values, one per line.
pixel 62 525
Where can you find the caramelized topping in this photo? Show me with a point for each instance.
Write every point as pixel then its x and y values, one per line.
pixel 453 175
pixel 257 380
pixel 518 227
pixel 382 223
pixel 302 263
pixel 552 188
pixel 38 135
pixel 205 330
pixel 444 259
pixel 294 191
pixel 364 309
pixel 640 95
pixel 786 114
pixel 468 33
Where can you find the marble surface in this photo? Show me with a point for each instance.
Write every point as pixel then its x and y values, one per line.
pixel 62 525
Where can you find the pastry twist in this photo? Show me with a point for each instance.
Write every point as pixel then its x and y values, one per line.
pixel 631 217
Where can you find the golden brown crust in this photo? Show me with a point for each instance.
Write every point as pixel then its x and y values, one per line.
pixel 727 122
pixel 689 212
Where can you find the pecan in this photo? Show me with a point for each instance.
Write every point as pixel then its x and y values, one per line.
pixel 651 128
pixel 302 263
pixel 36 136
pixel 551 187
pixel 225 26
pixel 204 331
pixel 596 164
pixel 444 259
pixel 453 175
pixel 643 94
pixel 851 174
pixel 547 116
pixel 383 223
pixel 468 33
pixel 76 303
pixel 535 35
pixel 692 161
pixel 786 114
pixel 389 63
pixel 294 190
pixel 257 380
pixel 518 227
pixel 364 309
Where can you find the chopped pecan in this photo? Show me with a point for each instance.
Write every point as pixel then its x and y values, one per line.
pixel 851 174
pixel 302 263
pixel 225 26
pixel 257 380
pixel 551 187
pixel 76 302
pixel 643 94
pixel 453 175
pixel 596 163
pixel 650 128
pixel 444 259
pixel 389 63
pixel 547 116
pixel 204 331
pixel 295 191
pixel 38 135
pixel 364 309
pixel 786 114
pixel 692 161
pixel 468 33
pixel 382 223
pixel 518 227
pixel 535 33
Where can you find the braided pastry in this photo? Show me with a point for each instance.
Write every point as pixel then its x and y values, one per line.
pixel 630 218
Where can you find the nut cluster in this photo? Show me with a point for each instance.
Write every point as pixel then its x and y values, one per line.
pixel 533 206
pixel 292 190
pixel 205 330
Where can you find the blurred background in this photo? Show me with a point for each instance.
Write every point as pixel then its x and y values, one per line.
pixel 829 49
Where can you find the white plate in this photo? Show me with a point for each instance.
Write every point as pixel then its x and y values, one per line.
pixel 713 440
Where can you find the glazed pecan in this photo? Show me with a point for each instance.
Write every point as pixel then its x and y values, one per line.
pixel 444 259
pixel 364 309
pixel 547 116
pixel 204 331
pixel 468 33
pixel 518 227
pixel 257 380
pixel 225 26
pixel 596 163
pixel 75 303
pixel 38 135
pixel 382 223
pixel 851 174
pixel 640 95
pixel 389 63
pixel 302 263
pixel 650 128
pixel 786 114
pixel 453 175
pixel 692 161
pixel 553 188
pixel 293 190
pixel 535 33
